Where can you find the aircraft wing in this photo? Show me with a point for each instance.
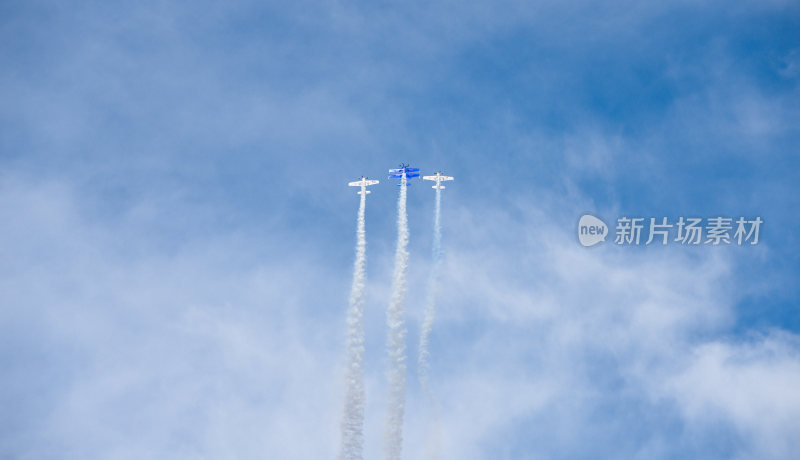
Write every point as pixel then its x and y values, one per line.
pixel 441 178
pixel 363 182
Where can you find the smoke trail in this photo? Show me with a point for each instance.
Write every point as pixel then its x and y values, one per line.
pixel 423 361
pixel 353 419
pixel 395 318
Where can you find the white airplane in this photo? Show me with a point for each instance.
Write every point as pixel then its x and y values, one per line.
pixel 438 178
pixel 363 183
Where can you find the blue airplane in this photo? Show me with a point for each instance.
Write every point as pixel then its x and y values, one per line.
pixel 404 170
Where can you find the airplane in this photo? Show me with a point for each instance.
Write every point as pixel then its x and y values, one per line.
pixel 363 183
pixel 403 171
pixel 438 178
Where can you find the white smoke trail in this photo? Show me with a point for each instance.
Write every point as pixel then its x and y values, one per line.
pixel 433 432
pixel 395 318
pixel 353 418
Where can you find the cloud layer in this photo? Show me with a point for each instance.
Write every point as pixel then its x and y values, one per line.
pixel 177 236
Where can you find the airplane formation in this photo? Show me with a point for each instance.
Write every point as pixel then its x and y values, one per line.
pixel 404 172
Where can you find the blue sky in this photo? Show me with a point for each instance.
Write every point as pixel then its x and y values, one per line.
pixel 178 237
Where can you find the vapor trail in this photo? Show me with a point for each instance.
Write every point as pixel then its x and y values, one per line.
pixel 353 418
pixel 423 361
pixel 395 318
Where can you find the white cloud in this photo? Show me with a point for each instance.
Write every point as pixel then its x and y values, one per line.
pixel 541 348
pixel 752 385
pixel 558 350
pixel 193 353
